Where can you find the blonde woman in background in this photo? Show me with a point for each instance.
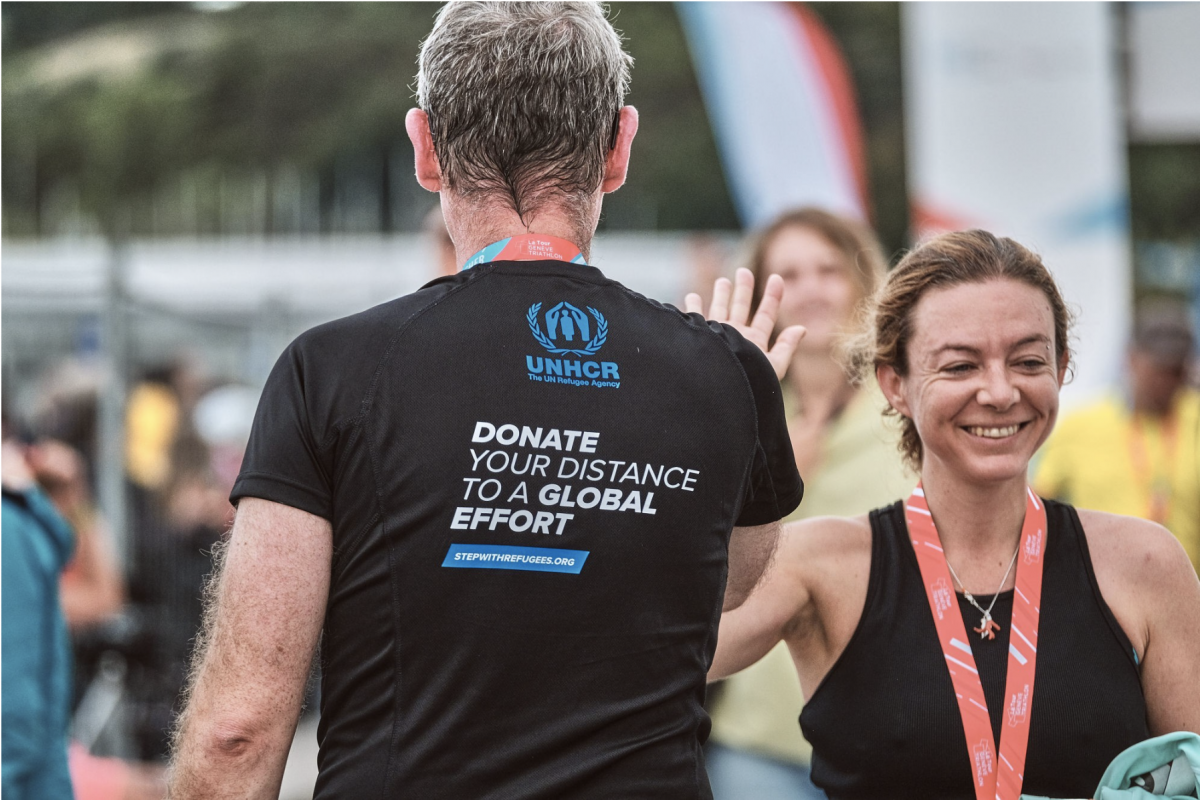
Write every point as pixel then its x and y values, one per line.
pixel 846 453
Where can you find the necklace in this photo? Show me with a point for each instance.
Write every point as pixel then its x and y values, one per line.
pixel 987 626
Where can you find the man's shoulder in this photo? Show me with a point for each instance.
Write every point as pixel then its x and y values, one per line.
pixel 366 327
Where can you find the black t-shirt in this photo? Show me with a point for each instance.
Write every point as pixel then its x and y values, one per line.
pixel 531 473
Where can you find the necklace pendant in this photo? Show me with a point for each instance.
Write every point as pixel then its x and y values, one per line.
pixel 987 627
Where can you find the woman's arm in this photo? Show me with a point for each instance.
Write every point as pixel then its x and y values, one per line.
pixel 811 554
pixel 1172 658
pixel 750 630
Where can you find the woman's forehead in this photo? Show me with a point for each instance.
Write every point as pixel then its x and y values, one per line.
pixel 802 243
pixel 993 313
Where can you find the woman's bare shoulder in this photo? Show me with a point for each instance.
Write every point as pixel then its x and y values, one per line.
pixel 1141 569
pixel 825 554
pixel 1131 548
pixel 827 537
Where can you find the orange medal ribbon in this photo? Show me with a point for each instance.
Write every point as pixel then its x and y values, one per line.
pixel 995 778
pixel 528 247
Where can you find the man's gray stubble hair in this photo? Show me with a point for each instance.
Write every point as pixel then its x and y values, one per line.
pixel 523 98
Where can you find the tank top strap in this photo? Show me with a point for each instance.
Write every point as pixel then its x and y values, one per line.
pixel 888 534
pixel 1075 557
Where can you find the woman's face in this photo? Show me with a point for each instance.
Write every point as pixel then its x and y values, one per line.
pixel 983 380
pixel 819 292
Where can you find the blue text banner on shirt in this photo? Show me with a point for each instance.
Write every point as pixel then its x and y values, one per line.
pixel 497 556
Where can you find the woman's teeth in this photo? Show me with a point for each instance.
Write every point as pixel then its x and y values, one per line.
pixel 993 433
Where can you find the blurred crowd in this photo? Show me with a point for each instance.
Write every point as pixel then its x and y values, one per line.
pixel 132 626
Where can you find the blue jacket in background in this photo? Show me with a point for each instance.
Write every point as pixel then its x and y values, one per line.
pixel 36 668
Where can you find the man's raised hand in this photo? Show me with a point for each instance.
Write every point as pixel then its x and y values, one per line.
pixel 731 305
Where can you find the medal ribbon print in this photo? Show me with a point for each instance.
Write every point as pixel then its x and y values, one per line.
pixel 528 247
pixel 999 778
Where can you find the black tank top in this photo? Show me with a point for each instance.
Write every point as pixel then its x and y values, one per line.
pixel 884 723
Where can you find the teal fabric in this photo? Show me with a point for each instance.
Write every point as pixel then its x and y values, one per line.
pixel 1142 758
pixel 36 669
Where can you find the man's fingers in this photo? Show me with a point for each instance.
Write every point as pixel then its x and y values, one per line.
pixel 692 304
pixel 743 295
pixel 781 353
pixel 768 307
pixel 719 310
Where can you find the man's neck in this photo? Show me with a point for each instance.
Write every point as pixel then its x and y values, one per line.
pixel 475 225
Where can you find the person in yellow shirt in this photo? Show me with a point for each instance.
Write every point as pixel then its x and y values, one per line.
pixel 846 452
pixel 1139 453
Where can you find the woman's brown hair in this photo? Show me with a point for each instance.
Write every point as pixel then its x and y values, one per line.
pixel 973 256
pixel 855 241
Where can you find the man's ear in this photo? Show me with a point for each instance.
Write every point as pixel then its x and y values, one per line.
pixel 892 386
pixel 616 166
pixel 429 171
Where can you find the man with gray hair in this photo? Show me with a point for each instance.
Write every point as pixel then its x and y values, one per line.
pixel 510 505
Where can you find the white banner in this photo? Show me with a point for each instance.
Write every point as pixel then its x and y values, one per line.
pixel 1164 71
pixel 781 105
pixel 1014 126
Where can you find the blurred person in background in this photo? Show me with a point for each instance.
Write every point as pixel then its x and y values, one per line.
pixel 846 452
pixel 66 409
pixel 518 669
pixel 37 665
pixel 187 516
pixel 93 590
pixel 1137 452
pixel 153 417
pixel 158 415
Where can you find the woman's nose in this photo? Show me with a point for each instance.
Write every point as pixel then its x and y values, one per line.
pixel 998 389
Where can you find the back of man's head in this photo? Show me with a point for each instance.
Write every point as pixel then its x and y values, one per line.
pixel 523 99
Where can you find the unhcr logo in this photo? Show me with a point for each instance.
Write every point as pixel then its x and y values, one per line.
pixel 567 325
pixel 569 331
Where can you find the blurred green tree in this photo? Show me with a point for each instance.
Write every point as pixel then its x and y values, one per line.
pixel 150 118
pixel 125 110
pixel 122 110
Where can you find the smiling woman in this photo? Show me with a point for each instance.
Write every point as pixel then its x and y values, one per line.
pixel 1083 622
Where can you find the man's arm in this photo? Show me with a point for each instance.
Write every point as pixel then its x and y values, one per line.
pixel 263 621
pixel 750 552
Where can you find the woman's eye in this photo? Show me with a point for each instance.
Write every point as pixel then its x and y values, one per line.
pixel 1032 363
pixel 959 369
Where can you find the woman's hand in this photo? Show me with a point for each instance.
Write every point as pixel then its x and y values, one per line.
pixel 737 313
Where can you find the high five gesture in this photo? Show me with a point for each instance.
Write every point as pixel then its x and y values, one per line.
pixel 731 305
